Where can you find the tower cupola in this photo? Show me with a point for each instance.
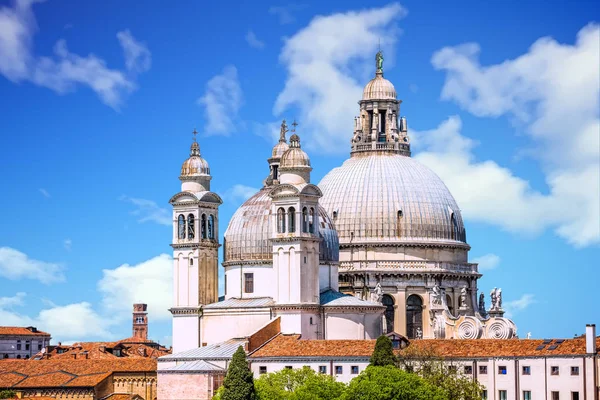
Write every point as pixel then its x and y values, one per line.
pixel 295 164
pixel 195 172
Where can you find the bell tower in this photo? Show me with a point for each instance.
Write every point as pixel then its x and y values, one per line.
pixel 195 245
pixel 140 321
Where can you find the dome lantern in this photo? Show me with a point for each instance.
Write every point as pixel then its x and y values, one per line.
pixel 195 172
pixel 295 164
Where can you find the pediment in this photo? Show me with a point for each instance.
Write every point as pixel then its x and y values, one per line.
pixel 206 197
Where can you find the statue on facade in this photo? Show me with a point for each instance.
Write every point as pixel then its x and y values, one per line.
pixel 436 296
pixel 463 298
pixel 482 304
pixel 377 295
pixel 379 61
pixel 282 131
pixel 493 298
pixel 499 299
pixel 419 333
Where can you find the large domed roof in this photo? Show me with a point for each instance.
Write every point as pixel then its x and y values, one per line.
pixel 383 197
pixel 249 230
pixel 379 88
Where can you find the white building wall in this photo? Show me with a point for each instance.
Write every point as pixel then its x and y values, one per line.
pixel 346 375
pixel 218 326
pixel 264 279
pixel 185 332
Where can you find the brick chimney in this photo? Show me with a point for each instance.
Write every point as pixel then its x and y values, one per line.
pixel 140 321
pixel 590 339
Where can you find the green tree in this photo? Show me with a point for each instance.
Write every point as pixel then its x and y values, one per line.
pixel 298 384
pixel 8 394
pixel 391 383
pixel 383 354
pixel 435 370
pixel 239 382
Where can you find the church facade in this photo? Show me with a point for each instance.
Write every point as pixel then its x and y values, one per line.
pixel 377 247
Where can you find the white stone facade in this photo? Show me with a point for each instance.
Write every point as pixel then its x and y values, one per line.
pixel 21 342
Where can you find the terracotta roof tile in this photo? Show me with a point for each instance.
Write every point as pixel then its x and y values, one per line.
pixel 292 346
pixel 103 350
pixel 21 331
pixel 53 373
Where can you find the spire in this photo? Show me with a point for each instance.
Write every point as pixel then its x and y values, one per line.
pixel 195 148
pixel 282 132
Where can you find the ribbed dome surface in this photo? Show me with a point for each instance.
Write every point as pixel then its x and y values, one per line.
pixel 249 230
pixel 379 88
pixel 294 158
pixel 195 166
pixel 390 198
pixel 279 149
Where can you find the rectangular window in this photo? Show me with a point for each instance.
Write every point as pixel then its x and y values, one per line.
pixel 288 367
pixel 526 394
pixel 27 346
pixel 555 396
pixel 574 370
pixel 354 369
pixel 574 395
pixel 452 369
pixel 526 370
pixel 484 394
pixel 483 369
pixel 39 346
pixel 502 370
pixel 554 370
pixel 18 345
pixel 338 370
pixel 468 370
pixel 502 395
pixel 322 369
pixel 262 370
pixel 249 283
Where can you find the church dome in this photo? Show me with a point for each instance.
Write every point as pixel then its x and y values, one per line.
pixel 294 157
pixel 379 88
pixel 390 198
pixel 249 230
pixel 279 149
pixel 195 165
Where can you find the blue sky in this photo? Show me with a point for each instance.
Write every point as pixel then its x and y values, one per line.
pixel 99 100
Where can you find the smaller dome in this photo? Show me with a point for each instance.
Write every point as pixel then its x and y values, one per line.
pixel 379 88
pixel 294 157
pixel 195 165
pixel 279 149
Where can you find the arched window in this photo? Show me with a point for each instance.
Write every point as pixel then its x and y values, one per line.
pixel 203 227
pixel 5 355
pixel 305 220
pixel 18 356
pixel 291 219
pixel 191 261
pixel 211 227
pixel 311 220
pixel 280 220
pixel 414 316
pixel 181 227
pixel 388 302
pixel 191 226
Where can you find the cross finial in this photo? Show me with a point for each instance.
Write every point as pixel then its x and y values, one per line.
pixel 294 124
pixel 195 132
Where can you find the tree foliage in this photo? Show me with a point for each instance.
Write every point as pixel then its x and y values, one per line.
pixel 384 353
pixel 391 383
pixel 8 394
pixel 433 369
pixel 298 384
pixel 239 382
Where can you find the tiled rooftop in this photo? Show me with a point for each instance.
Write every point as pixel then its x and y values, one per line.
pixel 103 350
pixel 20 331
pixel 67 373
pixel 292 346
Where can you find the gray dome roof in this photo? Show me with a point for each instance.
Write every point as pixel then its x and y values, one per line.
pixel 379 88
pixel 249 230
pixel 385 197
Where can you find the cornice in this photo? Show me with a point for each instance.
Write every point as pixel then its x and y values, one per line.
pixel 185 311
pixel 399 243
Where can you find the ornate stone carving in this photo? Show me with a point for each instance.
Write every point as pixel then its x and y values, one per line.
pixel 436 297
pixel 500 328
pixel 377 295
pixel 463 298
pixel 470 328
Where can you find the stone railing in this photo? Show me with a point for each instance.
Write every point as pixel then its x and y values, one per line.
pixel 385 146
pixel 408 266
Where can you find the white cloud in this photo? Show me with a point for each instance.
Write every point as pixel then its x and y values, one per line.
pixel 514 306
pixel 221 102
pixel 286 13
pixel 149 211
pixel 327 62
pixel 45 193
pixel 68 243
pixel 487 261
pixel 149 282
pixel 239 193
pixel 253 41
pixel 65 71
pixel 553 92
pixel 137 56
pixel 70 322
pixel 17 265
pixel 488 192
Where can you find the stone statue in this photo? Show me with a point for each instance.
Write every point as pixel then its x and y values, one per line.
pixel 379 61
pixel 499 299
pixel 493 298
pixel 482 304
pixel 436 296
pixel 463 298
pixel 419 333
pixel 283 131
pixel 377 295
pixel 528 335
